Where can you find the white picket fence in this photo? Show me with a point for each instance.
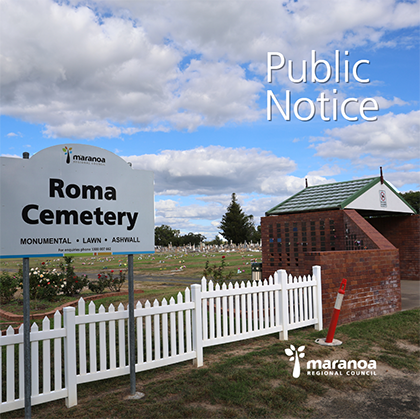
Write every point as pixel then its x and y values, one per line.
pixel 94 346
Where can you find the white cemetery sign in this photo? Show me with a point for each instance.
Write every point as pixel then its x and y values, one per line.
pixel 74 198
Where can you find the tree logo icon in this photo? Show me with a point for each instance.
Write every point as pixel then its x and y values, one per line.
pixel 67 152
pixel 295 355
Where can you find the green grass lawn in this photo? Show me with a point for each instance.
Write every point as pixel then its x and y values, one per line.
pixel 179 263
pixel 249 379
pixel 159 265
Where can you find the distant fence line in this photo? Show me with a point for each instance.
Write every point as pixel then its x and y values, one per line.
pixel 92 346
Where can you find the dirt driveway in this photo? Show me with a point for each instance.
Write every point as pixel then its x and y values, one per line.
pixel 394 395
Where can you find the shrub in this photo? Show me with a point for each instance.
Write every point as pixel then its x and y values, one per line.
pixel 216 273
pixel 115 283
pixel 73 283
pixel 43 284
pixel 51 283
pixel 99 286
pixel 8 286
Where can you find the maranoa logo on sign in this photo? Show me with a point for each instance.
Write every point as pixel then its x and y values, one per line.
pixel 328 367
pixel 79 158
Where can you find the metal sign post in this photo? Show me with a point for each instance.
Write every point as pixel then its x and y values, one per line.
pixel 131 333
pixel 131 336
pixel 26 337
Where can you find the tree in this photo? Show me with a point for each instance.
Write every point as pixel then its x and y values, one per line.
pixel 165 235
pixel 412 198
pixel 216 241
pixel 236 226
pixel 192 239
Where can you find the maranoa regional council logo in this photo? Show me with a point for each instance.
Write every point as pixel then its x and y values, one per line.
pixel 328 367
pixel 67 152
pixel 79 158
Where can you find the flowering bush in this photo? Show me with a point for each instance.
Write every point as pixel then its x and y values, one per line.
pixel 44 284
pixel 8 287
pixel 73 283
pixel 115 283
pixel 107 279
pixel 216 272
pixel 99 286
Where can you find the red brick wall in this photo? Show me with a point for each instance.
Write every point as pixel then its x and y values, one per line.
pixel 404 233
pixel 373 283
pixel 288 239
pixel 345 245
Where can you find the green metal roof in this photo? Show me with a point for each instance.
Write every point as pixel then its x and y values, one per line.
pixel 324 197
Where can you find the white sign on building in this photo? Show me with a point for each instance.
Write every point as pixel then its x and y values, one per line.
pixel 74 198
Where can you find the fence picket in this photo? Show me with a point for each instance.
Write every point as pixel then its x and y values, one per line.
pixel 277 300
pixel 237 312
pixel 305 300
pixel 46 359
pixel 82 337
pixel 180 326
pixel 92 340
pixel 165 332
pixel 173 328
pixel 139 329
pixel 112 349
pixel 225 314
pixel 35 362
pixel 10 368
pixel 188 334
pixel 204 302
pixel 21 366
pixel 301 318
pixel 148 321
pixel 58 379
pixel 156 325
pixel 266 312
pixel 249 308
pixel 102 341
pixel 271 303
pixel 261 310
pixel 243 309
pixel 231 312
pixel 255 307
pixel 121 339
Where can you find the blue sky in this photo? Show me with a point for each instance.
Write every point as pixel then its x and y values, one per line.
pixel 180 88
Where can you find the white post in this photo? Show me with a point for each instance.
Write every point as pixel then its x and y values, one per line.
pixel 69 316
pixel 196 325
pixel 316 273
pixel 284 334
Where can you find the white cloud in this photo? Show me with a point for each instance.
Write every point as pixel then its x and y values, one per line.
pixel 245 31
pixel 15 156
pixel 218 170
pixel 399 179
pixel 190 217
pixel 391 137
pixel 209 175
pixel 91 69
pixel 326 170
pixel 170 209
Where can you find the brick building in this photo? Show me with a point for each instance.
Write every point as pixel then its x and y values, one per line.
pixel 361 230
